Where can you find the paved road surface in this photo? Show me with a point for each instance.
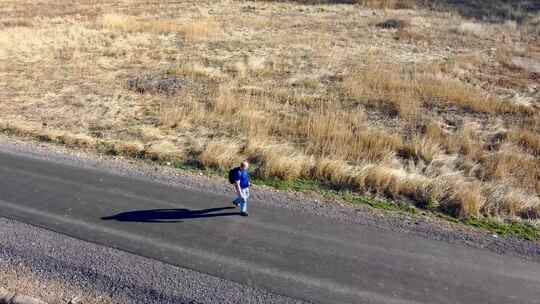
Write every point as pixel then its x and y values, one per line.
pixel 290 253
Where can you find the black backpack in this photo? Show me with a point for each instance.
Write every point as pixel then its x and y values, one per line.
pixel 232 175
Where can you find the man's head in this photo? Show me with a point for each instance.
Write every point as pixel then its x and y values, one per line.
pixel 244 165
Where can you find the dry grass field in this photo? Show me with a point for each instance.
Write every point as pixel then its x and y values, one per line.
pixel 432 102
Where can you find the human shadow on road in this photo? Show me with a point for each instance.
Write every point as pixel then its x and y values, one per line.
pixel 169 215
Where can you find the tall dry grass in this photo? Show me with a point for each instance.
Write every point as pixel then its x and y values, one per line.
pixel 200 29
pixel 516 168
pixel 388 4
pixel 526 139
pixel 404 90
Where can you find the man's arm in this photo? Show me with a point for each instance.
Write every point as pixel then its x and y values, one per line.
pixel 238 188
pixel 237 179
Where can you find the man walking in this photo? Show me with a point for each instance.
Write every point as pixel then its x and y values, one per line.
pixel 240 179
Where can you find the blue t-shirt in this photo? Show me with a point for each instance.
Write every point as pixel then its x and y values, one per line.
pixel 243 177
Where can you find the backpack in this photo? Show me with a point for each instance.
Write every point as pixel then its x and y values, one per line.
pixel 232 175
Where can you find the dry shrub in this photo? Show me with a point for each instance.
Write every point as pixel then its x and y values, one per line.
pixel 467 142
pixel 165 151
pixel 531 26
pixel 284 162
pixel 510 205
pixel 392 182
pixel 528 140
pixel 451 191
pixel 423 148
pixel 256 123
pixel 182 112
pixel 120 22
pixel 408 106
pixel 78 140
pixel 336 172
pixel 467 200
pixel 389 4
pixel 505 200
pixel 18 128
pixel 228 103
pixel 255 145
pixel 432 131
pixel 531 212
pixel 201 29
pixel 530 123
pixel 510 26
pixel 51 135
pixel 240 114
pixel 149 133
pixel 220 154
pixel 504 55
pixel 256 66
pixel 197 70
pixel 474 29
pixel 394 24
pixel 513 166
pixel 377 145
pixel 456 195
pixel 162 84
pixel 15 22
pixel 25 129
pixel 130 149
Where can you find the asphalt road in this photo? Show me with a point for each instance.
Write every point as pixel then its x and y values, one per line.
pixel 287 252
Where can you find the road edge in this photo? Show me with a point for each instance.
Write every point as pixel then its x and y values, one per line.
pixel 424 226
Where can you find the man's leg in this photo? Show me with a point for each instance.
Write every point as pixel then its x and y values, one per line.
pixel 243 204
pixel 238 200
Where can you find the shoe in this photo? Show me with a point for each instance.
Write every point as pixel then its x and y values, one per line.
pixel 235 204
pixel 244 214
